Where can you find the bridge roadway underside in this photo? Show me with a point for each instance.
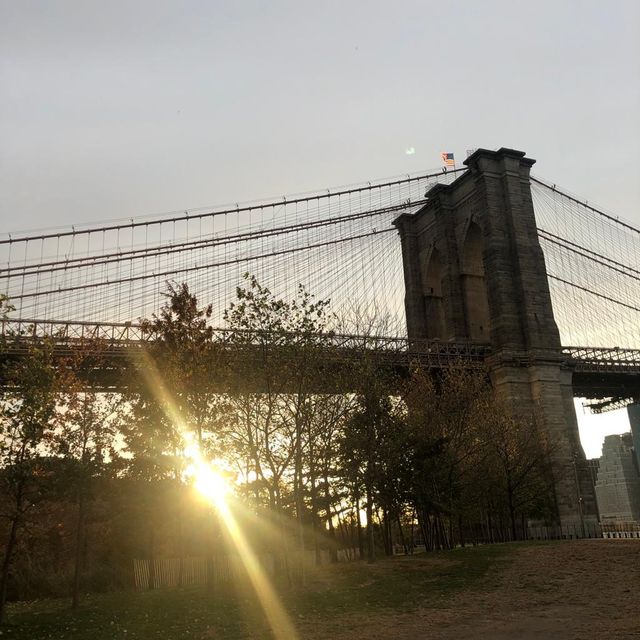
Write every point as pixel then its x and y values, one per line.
pixel 596 373
pixel 598 385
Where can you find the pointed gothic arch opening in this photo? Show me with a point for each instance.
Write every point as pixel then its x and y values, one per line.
pixel 432 292
pixel 474 287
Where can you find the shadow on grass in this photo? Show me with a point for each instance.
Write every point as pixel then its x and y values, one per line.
pixel 331 595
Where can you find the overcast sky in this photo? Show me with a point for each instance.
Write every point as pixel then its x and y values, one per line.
pixel 116 109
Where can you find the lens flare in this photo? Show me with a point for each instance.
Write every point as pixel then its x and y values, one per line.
pixel 278 619
pixel 212 485
pixel 209 482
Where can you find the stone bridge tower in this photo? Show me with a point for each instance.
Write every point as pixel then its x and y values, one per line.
pixel 474 270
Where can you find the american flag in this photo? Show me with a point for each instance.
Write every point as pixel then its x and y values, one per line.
pixel 447 158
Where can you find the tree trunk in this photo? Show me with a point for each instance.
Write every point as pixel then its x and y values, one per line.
pixel 512 512
pixel 384 530
pixel 4 579
pixel 212 556
pixel 445 543
pixel 332 531
pixel 75 597
pixel 348 542
pixel 181 539
pixel 401 534
pixel 11 543
pixel 411 529
pixel 423 523
pixel 371 552
pixel 359 529
pixel 152 560
pixel 299 513
pixel 388 533
pixel 490 525
pixel 315 519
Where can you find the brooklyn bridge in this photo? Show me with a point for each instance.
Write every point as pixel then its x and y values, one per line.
pixel 486 266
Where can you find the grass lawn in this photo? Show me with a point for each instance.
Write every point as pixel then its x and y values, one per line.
pixel 331 597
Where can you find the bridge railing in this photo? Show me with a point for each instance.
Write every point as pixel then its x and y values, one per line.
pixel 395 350
pixel 599 358
pixel 18 332
pixel 61 331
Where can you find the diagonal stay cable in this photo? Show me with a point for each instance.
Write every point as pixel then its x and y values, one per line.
pixel 595 293
pixel 158 250
pixel 555 189
pixel 234 210
pixel 195 267
pixel 583 251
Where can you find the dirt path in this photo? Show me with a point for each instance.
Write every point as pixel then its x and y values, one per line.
pixel 566 591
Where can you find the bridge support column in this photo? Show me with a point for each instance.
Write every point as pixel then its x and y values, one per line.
pixel 483 224
pixel 541 393
pixel 414 306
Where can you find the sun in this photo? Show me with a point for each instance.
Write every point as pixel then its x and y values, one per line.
pixel 206 477
pixel 210 483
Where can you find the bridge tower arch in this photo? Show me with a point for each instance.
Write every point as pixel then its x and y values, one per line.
pixel 474 289
pixel 432 275
pixel 494 289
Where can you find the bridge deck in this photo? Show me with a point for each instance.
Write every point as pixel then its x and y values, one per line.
pixel 598 372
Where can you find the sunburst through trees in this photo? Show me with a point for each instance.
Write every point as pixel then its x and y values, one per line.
pixel 249 453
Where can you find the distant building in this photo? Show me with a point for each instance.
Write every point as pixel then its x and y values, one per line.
pixel 618 481
pixel 593 464
pixel 633 411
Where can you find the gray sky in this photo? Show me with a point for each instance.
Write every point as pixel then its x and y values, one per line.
pixel 113 109
pixel 116 109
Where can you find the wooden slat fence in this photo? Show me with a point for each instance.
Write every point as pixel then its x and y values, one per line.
pixel 174 572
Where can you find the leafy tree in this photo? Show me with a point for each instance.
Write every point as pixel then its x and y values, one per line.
pixel 371 425
pixel 171 404
pixel 5 307
pixel 471 458
pixel 280 343
pixel 518 472
pixel 83 436
pixel 26 411
pixel 171 389
pixel 322 461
